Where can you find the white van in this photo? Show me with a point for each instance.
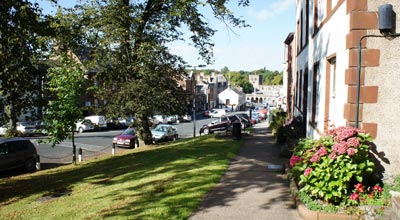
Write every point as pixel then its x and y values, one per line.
pixel 98 120
pixel 217 113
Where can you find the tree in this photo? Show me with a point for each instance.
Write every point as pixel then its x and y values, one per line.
pixel 66 83
pixel 247 87
pixel 138 74
pixel 21 28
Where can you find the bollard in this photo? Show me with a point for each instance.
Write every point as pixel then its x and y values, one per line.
pixel 80 155
pixel 113 149
pixel 38 163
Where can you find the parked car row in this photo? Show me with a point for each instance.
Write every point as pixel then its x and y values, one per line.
pixel 225 123
pixel 130 139
pixel 170 119
pixel 26 128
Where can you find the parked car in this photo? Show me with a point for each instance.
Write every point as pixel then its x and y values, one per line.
pixel 220 124
pixel 244 120
pixel 40 127
pixel 126 122
pixel 184 118
pixel 98 120
pixel 3 130
pixel 83 125
pixel 228 108
pixel 18 152
pixel 158 119
pixel 263 113
pixel 164 132
pixel 217 113
pixel 128 138
pixel 27 128
pixel 255 117
pixel 171 119
pixel 206 113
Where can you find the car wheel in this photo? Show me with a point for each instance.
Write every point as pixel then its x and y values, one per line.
pixel 136 143
pixel 80 130
pixel 30 164
pixel 206 131
pixel 175 137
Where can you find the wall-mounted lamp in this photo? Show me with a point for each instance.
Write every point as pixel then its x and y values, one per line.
pixel 387 19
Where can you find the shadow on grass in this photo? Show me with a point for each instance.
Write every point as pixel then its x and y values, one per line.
pixel 167 182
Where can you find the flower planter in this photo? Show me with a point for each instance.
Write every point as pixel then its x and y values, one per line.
pixel 307 214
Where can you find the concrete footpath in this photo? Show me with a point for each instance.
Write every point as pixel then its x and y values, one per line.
pixel 249 190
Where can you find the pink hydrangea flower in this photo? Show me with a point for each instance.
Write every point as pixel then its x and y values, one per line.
pixel 315 158
pixel 348 132
pixel 332 155
pixel 340 148
pixel 322 151
pixel 351 151
pixel 354 142
pixel 294 159
pixel 308 171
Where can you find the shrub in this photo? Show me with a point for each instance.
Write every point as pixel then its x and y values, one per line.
pixel 278 118
pixel 13 133
pixel 328 167
pixel 290 131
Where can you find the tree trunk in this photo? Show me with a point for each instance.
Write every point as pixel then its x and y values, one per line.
pixel 143 126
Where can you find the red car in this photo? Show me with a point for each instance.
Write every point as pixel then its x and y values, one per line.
pixel 128 138
pixel 206 113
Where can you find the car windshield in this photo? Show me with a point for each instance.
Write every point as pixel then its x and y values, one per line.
pixel 24 123
pixel 129 132
pixel 161 128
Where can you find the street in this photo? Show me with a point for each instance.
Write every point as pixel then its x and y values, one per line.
pixel 97 143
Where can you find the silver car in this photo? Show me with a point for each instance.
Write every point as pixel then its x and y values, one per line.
pixel 27 128
pixel 164 132
pixel 83 125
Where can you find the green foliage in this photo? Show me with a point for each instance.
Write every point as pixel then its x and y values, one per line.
pixel 128 42
pixel 326 168
pixel 278 119
pixel 290 131
pixel 317 205
pixel 65 85
pixel 13 133
pixel 21 51
pixel 241 78
pixel 247 87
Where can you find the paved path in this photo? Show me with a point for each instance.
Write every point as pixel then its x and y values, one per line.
pixel 249 190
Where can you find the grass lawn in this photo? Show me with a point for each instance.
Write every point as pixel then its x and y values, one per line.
pixel 163 182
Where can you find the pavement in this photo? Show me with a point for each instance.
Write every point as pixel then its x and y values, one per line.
pixel 252 188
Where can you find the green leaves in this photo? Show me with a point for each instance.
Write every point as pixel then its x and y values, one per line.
pixel 337 166
pixel 65 84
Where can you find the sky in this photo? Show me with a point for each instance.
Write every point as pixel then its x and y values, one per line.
pixel 248 49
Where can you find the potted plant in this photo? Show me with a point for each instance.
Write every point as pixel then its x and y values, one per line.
pixel 332 169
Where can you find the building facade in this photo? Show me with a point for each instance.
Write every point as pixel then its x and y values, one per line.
pixel 331 85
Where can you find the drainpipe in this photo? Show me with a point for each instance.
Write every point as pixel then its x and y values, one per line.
pixel 359 78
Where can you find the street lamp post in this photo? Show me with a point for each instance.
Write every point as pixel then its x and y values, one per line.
pixel 194 88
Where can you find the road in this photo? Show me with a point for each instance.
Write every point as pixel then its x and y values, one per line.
pixel 98 143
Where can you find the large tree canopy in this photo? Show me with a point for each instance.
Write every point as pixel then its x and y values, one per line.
pixel 128 43
pixel 21 28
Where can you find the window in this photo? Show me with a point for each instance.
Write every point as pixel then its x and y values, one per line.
pixel 315 85
pixel 3 149
pixel 305 92
pixel 330 92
